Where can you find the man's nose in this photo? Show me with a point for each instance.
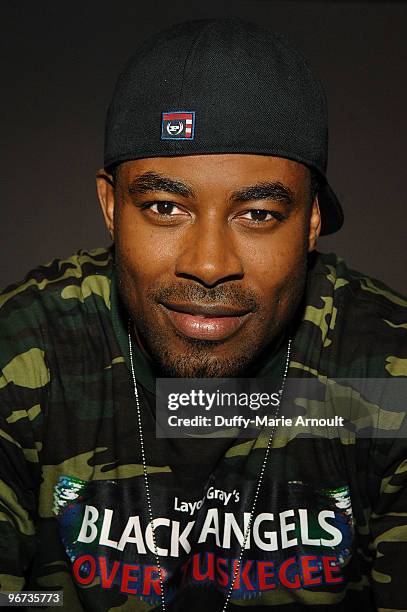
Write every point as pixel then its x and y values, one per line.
pixel 209 255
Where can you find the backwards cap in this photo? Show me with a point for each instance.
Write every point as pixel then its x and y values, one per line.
pixel 221 86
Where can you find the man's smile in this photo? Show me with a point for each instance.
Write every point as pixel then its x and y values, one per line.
pixel 205 321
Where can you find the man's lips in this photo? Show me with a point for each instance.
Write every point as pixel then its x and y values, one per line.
pixel 205 321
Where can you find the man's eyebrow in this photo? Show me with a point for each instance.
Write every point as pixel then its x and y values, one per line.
pixel 152 181
pixel 268 190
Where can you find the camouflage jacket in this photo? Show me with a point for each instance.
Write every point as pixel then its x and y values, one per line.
pixel 330 524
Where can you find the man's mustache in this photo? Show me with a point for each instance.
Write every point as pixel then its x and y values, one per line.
pixel 195 293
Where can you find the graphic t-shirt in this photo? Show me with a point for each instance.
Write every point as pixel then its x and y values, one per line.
pixel 329 526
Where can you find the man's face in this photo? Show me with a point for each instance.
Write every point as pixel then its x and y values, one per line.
pixel 211 255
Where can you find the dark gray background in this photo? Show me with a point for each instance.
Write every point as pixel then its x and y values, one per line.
pixel 59 62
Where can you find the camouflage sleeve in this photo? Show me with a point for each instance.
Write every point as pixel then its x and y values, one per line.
pixel 388 528
pixel 23 388
pixel 30 313
pixel 18 459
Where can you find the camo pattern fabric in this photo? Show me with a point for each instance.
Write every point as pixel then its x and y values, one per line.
pixel 330 526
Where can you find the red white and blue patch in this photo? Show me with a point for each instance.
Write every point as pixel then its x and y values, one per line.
pixel 178 125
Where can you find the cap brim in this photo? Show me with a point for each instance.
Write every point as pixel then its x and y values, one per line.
pixel 331 211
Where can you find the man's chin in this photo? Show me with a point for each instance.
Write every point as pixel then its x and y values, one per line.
pixel 178 356
pixel 183 366
pixel 199 359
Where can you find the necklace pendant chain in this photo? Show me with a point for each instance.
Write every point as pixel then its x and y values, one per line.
pixel 147 487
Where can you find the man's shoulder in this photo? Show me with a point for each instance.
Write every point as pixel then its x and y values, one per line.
pixel 360 323
pixel 356 290
pixel 61 280
pixel 63 293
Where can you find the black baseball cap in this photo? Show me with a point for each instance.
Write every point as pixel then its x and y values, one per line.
pixel 221 86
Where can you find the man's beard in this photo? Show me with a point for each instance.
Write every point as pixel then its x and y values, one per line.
pixel 198 359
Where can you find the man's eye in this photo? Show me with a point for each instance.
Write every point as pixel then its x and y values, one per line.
pixel 164 208
pixel 258 215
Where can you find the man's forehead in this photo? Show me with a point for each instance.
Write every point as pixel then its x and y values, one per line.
pixel 209 171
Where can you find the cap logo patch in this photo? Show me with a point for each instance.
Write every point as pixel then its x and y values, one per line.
pixel 178 125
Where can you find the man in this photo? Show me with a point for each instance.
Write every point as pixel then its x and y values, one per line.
pixel 214 192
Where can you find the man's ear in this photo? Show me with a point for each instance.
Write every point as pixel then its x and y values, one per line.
pixel 314 226
pixel 105 190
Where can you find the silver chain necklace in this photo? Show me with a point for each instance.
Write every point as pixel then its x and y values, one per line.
pixel 147 487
